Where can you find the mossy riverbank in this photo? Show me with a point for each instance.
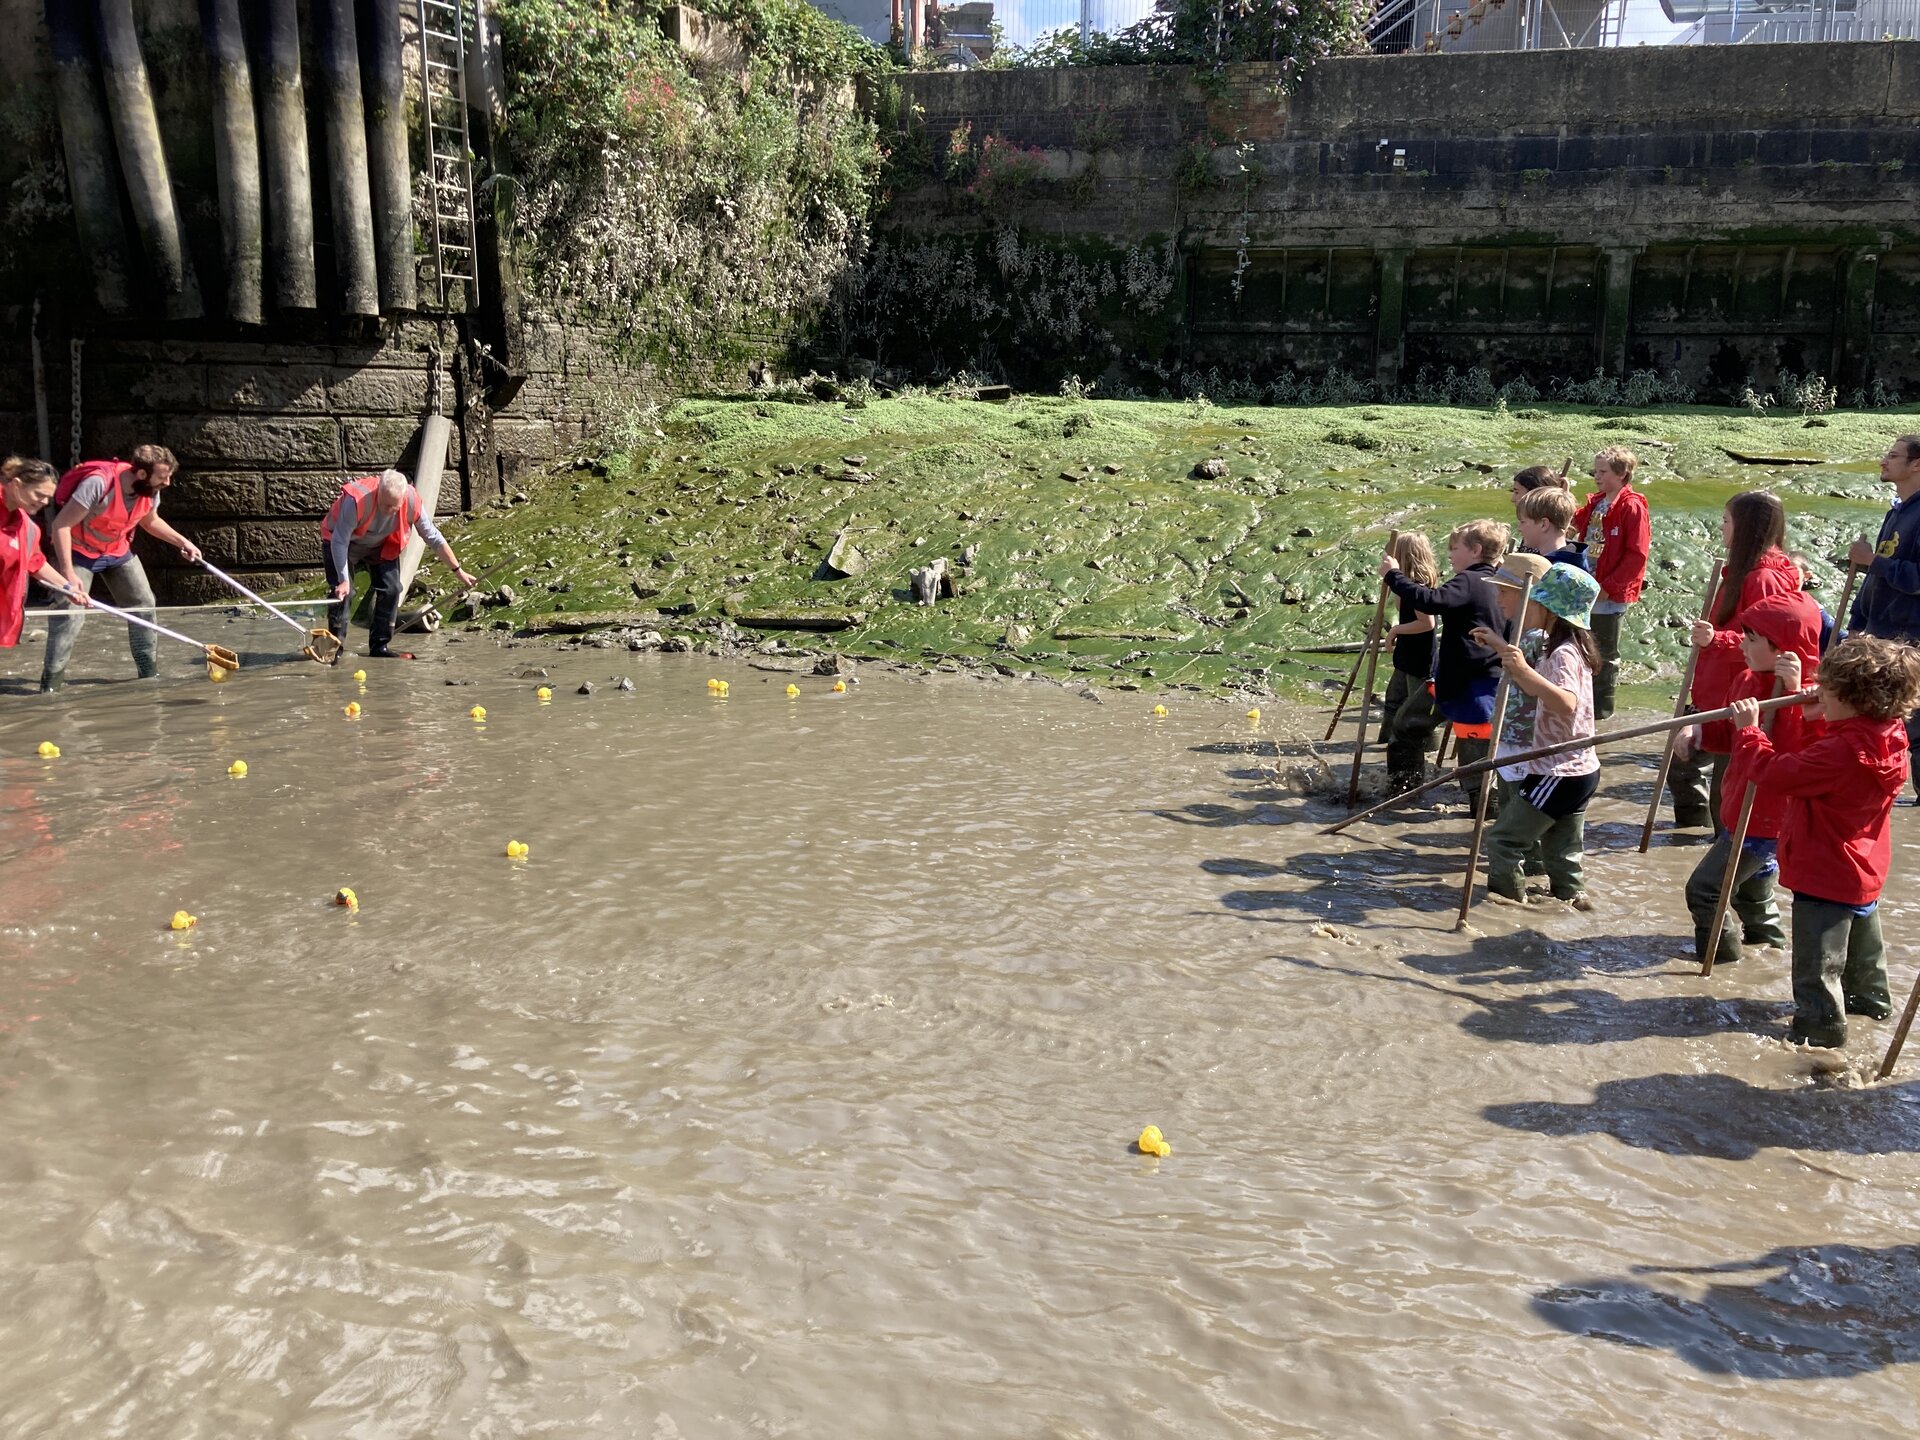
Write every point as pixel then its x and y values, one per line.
pixel 1085 541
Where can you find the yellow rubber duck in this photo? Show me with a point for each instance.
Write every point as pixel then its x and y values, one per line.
pixel 183 921
pixel 478 712
pixel 543 694
pixel 1159 712
pixel 346 899
pixel 839 687
pixel 516 850
pixel 359 677
pixel 216 673
pixel 238 769
pixel 1152 1142
pixel 49 750
pixel 1254 714
pixel 352 712
pixel 793 692
pixel 712 684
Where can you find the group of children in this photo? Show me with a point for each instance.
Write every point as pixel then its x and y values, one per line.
pixel 1823 775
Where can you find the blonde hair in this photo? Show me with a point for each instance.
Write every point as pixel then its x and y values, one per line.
pixel 1489 537
pixel 1618 457
pixel 1879 679
pixel 1415 555
pixel 1554 506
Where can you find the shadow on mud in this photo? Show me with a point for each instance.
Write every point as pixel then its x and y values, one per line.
pixel 1821 1311
pixel 1728 1119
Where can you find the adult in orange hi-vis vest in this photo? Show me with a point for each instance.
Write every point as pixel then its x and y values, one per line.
pixel 26 488
pixel 368 525
pixel 98 506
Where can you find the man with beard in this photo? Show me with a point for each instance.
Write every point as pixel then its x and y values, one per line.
pixel 98 507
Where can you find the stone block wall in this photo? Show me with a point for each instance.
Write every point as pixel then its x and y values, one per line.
pixel 1722 211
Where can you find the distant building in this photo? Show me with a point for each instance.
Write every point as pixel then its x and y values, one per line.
pixel 872 18
pixel 961 33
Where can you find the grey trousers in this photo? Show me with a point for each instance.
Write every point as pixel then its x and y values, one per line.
pixel 1695 785
pixel 128 585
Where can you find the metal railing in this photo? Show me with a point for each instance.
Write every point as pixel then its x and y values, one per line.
pixel 1451 26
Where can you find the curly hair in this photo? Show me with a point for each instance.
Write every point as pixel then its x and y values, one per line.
pixel 1879 679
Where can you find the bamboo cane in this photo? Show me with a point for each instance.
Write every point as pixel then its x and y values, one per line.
pixel 1366 691
pixel 1637 732
pixel 1733 865
pixel 1679 709
pixel 1446 739
pixel 1900 1031
pixel 1487 782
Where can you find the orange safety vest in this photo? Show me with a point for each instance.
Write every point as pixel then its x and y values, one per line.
pixel 19 558
pixel 360 491
pixel 109 534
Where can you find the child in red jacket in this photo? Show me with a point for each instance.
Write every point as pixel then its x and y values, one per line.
pixel 1835 845
pixel 1618 534
pixel 1781 648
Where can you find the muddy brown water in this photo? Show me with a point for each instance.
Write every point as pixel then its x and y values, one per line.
pixel 787 1087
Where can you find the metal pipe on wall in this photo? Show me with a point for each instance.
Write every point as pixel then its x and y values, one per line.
pixel 384 83
pixel 86 143
pixel 236 157
pixel 276 55
pixel 337 45
pixel 143 161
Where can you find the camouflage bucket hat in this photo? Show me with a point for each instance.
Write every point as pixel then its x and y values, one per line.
pixel 1569 592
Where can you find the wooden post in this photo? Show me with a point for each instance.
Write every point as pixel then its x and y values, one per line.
pixel 1490 778
pixel 1679 709
pixel 1359 659
pixel 1846 601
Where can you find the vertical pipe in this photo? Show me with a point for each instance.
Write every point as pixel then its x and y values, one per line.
pixel 338 48
pixel 143 163
pixel 384 82
pixel 236 157
pixel 276 41
pixel 86 141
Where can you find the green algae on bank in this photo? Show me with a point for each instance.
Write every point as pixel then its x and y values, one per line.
pixel 1090 537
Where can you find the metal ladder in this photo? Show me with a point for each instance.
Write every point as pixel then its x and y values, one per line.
pixel 444 26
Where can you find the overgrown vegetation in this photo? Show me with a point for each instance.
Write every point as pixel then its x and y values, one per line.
pixel 1291 33
pixel 687 204
pixel 1090 538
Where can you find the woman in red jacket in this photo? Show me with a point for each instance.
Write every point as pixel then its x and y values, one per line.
pixel 1754 528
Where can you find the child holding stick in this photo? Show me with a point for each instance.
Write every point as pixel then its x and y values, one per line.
pixel 1544 802
pixel 1466 674
pixel 1412 653
pixel 1835 845
pixel 1753 527
pixel 1781 647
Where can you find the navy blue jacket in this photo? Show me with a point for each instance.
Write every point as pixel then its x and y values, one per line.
pixel 1888 605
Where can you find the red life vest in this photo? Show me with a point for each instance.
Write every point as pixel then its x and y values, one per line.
pixel 19 559
pixel 361 492
pixel 109 534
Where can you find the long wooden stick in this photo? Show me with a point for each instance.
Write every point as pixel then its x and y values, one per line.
pixel 1733 863
pixel 1446 738
pixel 1636 732
pixel 1900 1031
pixel 1679 709
pixel 1846 600
pixel 1366 691
pixel 1359 659
pixel 1517 628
